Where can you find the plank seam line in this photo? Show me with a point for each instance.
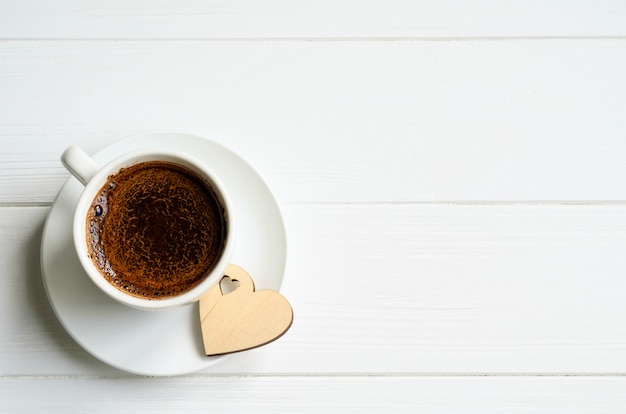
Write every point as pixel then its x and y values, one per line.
pixel 321 39
pixel 424 375
pixel 464 203
pixel 334 375
pixel 25 204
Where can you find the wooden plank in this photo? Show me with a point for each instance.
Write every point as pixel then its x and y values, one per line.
pixel 185 19
pixel 456 288
pixel 393 289
pixel 427 121
pixel 315 395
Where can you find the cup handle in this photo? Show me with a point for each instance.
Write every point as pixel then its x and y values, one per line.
pixel 79 164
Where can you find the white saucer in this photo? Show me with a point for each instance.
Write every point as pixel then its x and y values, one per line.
pixel 168 342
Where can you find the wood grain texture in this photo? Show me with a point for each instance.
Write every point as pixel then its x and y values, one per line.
pixel 242 317
pixel 406 288
pixel 190 19
pixel 334 121
pixel 457 288
pixel 287 395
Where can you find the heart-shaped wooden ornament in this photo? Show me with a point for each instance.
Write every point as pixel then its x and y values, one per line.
pixel 244 318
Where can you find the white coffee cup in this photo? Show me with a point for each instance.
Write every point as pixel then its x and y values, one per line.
pixel 94 177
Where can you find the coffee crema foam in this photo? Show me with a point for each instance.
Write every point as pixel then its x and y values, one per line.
pixel 155 230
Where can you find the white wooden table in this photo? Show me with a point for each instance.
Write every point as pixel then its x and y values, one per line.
pixel 452 177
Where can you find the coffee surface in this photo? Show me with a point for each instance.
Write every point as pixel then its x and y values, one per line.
pixel 155 230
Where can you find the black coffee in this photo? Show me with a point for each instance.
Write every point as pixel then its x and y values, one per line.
pixel 156 229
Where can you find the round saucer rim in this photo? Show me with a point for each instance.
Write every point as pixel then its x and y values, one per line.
pixel 136 140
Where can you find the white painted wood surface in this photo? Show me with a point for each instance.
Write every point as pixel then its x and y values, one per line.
pixel 452 177
pixel 353 121
pixel 191 19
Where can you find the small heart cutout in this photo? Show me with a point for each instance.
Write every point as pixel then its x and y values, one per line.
pixel 241 319
pixel 228 285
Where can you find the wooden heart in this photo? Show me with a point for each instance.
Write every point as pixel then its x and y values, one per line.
pixel 244 318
